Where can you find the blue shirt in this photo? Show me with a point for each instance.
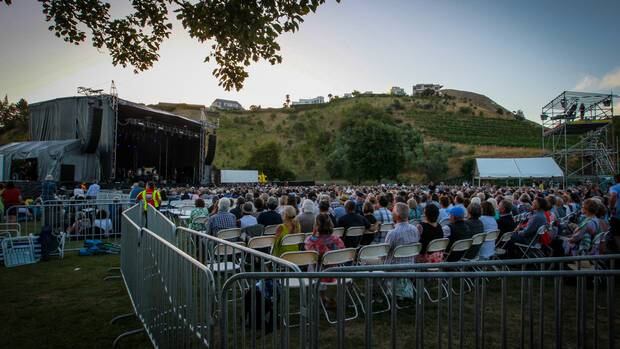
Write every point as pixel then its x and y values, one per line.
pixel 48 190
pixel 93 190
pixel 220 221
pixel 616 189
pixel 133 194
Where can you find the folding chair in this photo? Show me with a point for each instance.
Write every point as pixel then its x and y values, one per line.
pixel 373 255
pixel 332 259
pixel 435 246
pixel 232 234
pixel 225 261
pixel 262 244
pixel 18 251
pixel 339 231
pixel 474 251
pixel 533 249
pixel 500 246
pixel 457 254
pixel 406 251
pixel 204 220
pixel 270 229
pixel 252 231
pixel 355 233
pixel 293 239
pixel 304 260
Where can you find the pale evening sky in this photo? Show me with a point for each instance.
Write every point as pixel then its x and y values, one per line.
pixel 519 53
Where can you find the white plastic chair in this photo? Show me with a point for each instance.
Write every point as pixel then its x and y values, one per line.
pixel 270 229
pixel 339 231
pixel 231 234
pixel 373 255
pixel 336 258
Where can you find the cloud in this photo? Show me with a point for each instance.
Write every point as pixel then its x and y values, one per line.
pixel 608 81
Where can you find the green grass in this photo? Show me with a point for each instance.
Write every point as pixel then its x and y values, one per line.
pixel 65 304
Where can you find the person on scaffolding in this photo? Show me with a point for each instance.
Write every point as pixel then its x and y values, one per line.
pixel 150 196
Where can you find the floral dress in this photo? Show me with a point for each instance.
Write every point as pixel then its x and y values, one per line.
pixel 323 244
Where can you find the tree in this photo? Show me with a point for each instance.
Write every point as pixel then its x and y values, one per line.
pixel 356 93
pixel 14 115
pixel 329 96
pixel 370 146
pixel 241 31
pixel 287 101
pixel 519 115
pixel 266 158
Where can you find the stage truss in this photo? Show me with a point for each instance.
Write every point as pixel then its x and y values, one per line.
pixel 578 132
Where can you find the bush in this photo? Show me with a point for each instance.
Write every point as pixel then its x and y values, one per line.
pixel 465 110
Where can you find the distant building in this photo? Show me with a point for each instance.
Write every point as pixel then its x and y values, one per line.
pixel 225 104
pixel 347 95
pixel 397 91
pixel 419 88
pixel 368 93
pixel 317 100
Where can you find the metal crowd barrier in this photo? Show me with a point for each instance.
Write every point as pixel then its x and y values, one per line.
pixel 172 294
pixel 540 304
pixel 81 220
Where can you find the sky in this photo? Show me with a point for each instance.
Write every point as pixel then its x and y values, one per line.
pixel 519 53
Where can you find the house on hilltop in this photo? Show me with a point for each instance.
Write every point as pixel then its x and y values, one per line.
pixel 225 104
pixel 316 100
pixel 397 91
pixel 419 88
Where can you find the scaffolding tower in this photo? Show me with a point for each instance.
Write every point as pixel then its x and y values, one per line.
pixel 578 132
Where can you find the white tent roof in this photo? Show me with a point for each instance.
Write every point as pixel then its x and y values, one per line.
pixel 517 168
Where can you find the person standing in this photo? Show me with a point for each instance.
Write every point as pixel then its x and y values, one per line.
pixel 48 189
pixel 93 191
pixel 136 189
pixel 614 209
pixel 149 196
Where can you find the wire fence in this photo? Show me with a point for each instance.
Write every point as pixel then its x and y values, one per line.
pixel 190 289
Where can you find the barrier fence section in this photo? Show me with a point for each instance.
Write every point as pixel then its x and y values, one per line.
pixel 79 220
pixel 221 258
pixel 172 294
pixel 536 303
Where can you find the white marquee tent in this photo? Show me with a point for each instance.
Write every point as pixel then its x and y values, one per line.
pixel 517 168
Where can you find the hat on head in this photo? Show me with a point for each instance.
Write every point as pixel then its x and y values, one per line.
pixel 248 208
pixel 457 211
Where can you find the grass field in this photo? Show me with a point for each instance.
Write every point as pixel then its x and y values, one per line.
pixel 66 304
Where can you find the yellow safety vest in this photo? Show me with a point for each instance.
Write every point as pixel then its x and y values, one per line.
pixel 153 198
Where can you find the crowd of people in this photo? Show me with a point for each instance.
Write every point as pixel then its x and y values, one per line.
pixel 576 220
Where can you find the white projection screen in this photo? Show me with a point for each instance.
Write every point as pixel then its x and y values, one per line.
pixel 239 176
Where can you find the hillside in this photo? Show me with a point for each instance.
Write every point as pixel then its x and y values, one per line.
pixel 472 124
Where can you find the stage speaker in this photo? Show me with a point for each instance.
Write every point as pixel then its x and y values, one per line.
pixel 211 149
pixel 95 118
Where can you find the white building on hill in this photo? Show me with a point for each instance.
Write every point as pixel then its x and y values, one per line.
pixel 419 88
pixel 316 100
pixel 397 91
pixel 225 104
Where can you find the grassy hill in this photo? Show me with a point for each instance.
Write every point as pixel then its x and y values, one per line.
pixel 474 124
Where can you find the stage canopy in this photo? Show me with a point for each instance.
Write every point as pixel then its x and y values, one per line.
pixel 56 158
pixel 504 168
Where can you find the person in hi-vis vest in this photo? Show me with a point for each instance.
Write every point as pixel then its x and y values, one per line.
pixel 150 196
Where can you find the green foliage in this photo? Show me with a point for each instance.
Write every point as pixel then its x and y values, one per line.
pixel 370 146
pixel 239 32
pixel 266 158
pixel 14 116
pixel 500 111
pixel 434 163
pixel 465 110
pixel 468 167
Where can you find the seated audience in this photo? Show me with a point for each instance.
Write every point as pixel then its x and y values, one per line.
pixel 457 229
pixel 306 217
pixel 271 215
pixel 402 234
pixel 198 211
pixel 430 230
pixel 248 218
pixel 222 219
pixel 290 225
pixel 489 224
